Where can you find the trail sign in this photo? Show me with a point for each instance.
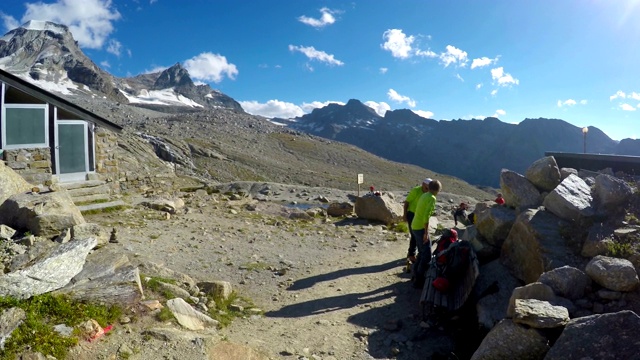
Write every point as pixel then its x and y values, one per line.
pixel 360 179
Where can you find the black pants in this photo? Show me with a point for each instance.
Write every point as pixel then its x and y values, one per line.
pixel 460 215
pixel 412 240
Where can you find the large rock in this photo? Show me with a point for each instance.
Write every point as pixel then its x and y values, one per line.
pixel 11 183
pixel 598 241
pixel 571 200
pixel 518 192
pixel 494 222
pixel 42 214
pixel 340 209
pixel 10 319
pixel 535 245
pixel 493 290
pixel 537 291
pixel 604 337
pixel 613 273
pixel 508 340
pixel 539 314
pixel 51 272
pixel 544 173
pixel 6 233
pixel 188 317
pixel 87 230
pixel 107 277
pixel 379 208
pixel 611 192
pixel 567 282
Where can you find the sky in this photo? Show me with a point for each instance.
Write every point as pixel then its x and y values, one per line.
pixel 575 60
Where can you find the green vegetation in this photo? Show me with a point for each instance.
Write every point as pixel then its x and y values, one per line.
pixel 42 313
pixel 111 209
pixel 225 312
pixel 154 284
pixel 255 266
pixel 401 227
pixel 619 250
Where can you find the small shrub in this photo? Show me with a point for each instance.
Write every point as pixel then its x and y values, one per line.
pixel 165 314
pixel 619 250
pixel 401 227
pixel 224 313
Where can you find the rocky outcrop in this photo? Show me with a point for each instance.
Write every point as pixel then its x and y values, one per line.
pixel 188 317
pixel 613 273
pixel 379 208
pixel 508 340
pixel 544 173
pixel 518 192
pixel 11 183
pixel 42 214
pixel 539 314
pixel 571 200
pixel 567 282
pixel 494 222
pixel 611 192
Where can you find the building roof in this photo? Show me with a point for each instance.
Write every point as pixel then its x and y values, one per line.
pixel 37 92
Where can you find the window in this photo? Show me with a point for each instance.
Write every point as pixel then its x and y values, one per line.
pixel 25 126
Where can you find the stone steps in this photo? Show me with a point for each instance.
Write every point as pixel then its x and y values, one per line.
pixel 91 195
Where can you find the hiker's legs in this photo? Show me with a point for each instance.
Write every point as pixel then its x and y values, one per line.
pixel 412 239
pixel 424 253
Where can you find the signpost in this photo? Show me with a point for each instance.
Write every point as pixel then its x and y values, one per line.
pixel 360 181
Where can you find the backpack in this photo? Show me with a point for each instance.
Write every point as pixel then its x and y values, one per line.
pixel 448 237
pixel 452 263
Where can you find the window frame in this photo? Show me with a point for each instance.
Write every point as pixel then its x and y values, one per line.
pixel 45 119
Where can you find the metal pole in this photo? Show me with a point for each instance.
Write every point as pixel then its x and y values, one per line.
pixel 585 143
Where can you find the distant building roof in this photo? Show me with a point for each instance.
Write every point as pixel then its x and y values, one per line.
pixel 35 91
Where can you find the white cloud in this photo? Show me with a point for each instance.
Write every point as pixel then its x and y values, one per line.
pixel 478 86
pixel 568 102
pixel 105 64
pixel 503 79
pixel 327 18
pixel 499 113
pixel 114 47
pixel 210 67
pixel 634 96
pixel 153 1
pixel 424 114
pixel 90 21
pixel 453 55
pixel 583 102
pixel 393 95
pixel 459 77
pixel 380 107
pixel 397 43
pixel 155 69
pixel 318 55
pixel 618 94
pixel 482 62
pixel 627 107
pixel 9 22
pixel 308 107
pixel 426 53
pixel 272 108
pixel 494 92
pixel 383 70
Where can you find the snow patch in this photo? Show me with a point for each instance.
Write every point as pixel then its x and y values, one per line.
pixel 40 25
pixel 160 97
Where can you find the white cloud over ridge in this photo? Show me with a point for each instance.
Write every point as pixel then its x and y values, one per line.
pixel 393 95
pixel 568 102
pixel 424 114
pixel 210 67
pixel 272 108
pixel 380 107
pixel 314 54
pixel 308 107
pixel 90 21
pixel 503 78
pixel 499 113
pixel 327 18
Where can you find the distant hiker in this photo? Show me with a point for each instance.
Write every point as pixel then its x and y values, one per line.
pixel 420 228
pixel 460 213
pixel 410 204
pixel 499 200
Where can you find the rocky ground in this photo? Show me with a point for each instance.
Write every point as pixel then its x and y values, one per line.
pixel 329 288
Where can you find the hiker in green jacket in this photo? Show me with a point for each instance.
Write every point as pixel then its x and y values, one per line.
pixel 410 204
pixel 420 229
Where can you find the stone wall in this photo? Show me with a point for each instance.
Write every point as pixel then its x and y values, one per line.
pixel 106 149
pixel 34 165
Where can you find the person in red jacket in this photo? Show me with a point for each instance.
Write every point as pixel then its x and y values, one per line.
pixel 499 200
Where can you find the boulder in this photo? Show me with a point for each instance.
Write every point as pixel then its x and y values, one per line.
pixel 613 273
pixel 484 250
pixel 518 192
pixel 86 230
pixel 218 289
pixel 535 245
pixel 567 282
pixel 598 241
pixel 544 173
pixel 189 317
pixel 611 192
pixel 537 291
pixel 51 272
pixel 379 208
pixel 508 340
pixel 539 314
pixel 494 222
pixel 10 319
pixel 565 172
pixel 493 289
pixel 605 337
pixel 571 200
pixel 42 214
pixel 157 270
pixel 11 183
pixel 6 233
pixel 165 205
pixel 337 209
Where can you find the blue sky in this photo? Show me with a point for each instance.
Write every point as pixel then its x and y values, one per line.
pixel 576 60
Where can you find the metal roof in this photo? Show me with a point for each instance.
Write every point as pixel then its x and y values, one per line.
pixel 37 92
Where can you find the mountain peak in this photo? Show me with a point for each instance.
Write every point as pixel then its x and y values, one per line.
pixel 173 77
pixel 40 25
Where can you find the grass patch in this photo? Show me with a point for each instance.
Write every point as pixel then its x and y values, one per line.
pixel 255 266
pixel 42 313
pixel 225 311
pixel 98 201
pixel 154 284
pixel 619 250
pixel 401 227
pixel 165 315
pixel 111 209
